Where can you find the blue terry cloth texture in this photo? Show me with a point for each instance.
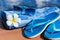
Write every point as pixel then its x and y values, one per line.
pixel 25 19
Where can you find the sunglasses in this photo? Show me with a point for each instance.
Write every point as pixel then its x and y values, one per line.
pixel 25 10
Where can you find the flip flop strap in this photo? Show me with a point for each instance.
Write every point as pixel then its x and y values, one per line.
pixel 31 30
pixel 55 28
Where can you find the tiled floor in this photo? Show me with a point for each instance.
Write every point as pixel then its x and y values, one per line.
pixel 15 34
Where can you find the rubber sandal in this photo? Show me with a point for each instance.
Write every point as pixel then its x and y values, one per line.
pixel 53 30
pixel 37 26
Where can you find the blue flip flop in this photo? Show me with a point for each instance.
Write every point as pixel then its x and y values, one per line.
pixel 37 26
pixel 53 30
pixel 14 19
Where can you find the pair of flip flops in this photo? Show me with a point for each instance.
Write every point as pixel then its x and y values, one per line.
pixel 38 25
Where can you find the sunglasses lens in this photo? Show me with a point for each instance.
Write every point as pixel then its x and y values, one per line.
pixel 30 11
pixel 17 8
